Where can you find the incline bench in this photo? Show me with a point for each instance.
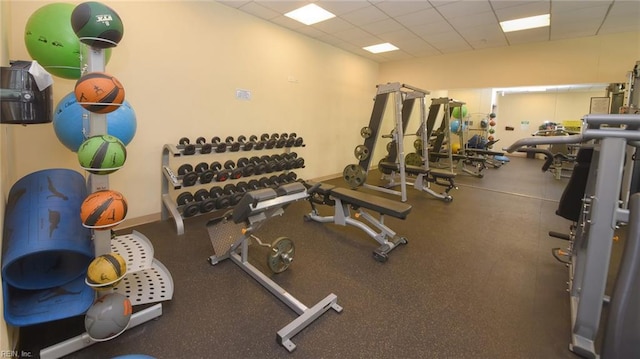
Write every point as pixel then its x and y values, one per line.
pixel 343 199
pixel 230 236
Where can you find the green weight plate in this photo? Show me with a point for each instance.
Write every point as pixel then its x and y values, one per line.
pixel 366 132
pixel 417 144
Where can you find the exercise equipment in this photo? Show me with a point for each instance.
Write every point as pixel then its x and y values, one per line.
pixel 102 154
pixel 97 25
pixel 22 100
pixel 230 236
pixel 71 125
pixel 108 317
pixel 106 271
pixel 103 209
pixel 343 199
pixel 393 165
pixel 99 92
pixel 597 203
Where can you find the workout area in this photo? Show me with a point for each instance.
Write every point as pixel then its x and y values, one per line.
pixel 222 179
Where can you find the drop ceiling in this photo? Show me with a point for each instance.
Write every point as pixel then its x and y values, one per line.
pixel 422 28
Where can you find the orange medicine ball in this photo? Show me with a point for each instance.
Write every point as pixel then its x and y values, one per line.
pixel 99 92
pixel 103 209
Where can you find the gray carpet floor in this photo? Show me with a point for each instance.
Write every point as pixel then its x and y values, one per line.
pixel 476 280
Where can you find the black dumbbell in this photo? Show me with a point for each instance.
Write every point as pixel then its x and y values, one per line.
pixel 221 199
pixel 246 146
pixel 233 145
pixel 234 194
pixel 186 146
pixel 188 176
pixel 207 204
pixel 253 185
pixel 257 145
pixel 219 147
pixel 248 169
pixel 190 207
pixel 269 165
pixel 259 167
pixel 264 182
pixel 298 163
pixel 220 174
pixel 299 142
pixel 205 148
pixel 234 171
pixel 292 177
pixel 204 173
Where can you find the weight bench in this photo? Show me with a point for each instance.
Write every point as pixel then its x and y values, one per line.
pixel 230 236
pixel 441 178
pixel 343 199
pixel 478 162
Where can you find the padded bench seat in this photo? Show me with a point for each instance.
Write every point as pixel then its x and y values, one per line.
pixel 485 152
pixel 379 204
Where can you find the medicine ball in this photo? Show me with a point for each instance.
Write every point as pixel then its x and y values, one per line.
pixel 108 317
pixel 106 270
pixel 102 154
pixel 97 25
pixel 99 92
pixel 103 209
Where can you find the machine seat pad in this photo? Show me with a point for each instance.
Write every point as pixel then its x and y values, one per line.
pixel 290 188
pixel 243 209
pixel 372 202
pixel 442 174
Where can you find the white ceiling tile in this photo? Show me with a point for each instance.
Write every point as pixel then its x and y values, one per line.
pixel 432 28
pixel 288 23
pixel 259 11
pixel 365 16
pixel 464 9
pixel 527 36
pixel 487 18
pixel 341 7
pixel 523 10
pixel 332 26
pixel 482 32
pixel 352 35
pixel 504 4
pixel 571 5
pixel 420 17
pixel 234 3
pixel 397 8
pixel 384 26
pixel 283 7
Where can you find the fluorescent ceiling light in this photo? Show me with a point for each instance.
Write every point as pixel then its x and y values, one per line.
pixel 525 23
pixel 380 48
pixel 310 14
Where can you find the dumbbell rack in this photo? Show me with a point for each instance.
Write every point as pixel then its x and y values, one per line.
pixel 171 181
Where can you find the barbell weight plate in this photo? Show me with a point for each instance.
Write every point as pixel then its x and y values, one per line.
pixel 417 144
pixel 354 175
pixel 366 132
pixel 184 198
pixel 281 254
pixel 390 145
pixel 413 159
pixel 361 152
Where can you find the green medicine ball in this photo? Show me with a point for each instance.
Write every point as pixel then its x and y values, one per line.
pixel 51 41
pixel 102 154
pixel 97 25
pixel 456 112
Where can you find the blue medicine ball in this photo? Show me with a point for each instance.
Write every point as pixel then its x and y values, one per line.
pixel 68 122
pixel 455 126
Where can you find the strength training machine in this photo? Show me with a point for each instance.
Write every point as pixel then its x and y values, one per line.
pixel 230 236
pixel 393 165
pixel 342 199
pixel 595 199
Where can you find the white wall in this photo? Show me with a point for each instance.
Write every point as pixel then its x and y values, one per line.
pixel 180 69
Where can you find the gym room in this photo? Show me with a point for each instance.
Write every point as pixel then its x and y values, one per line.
pixel 194 179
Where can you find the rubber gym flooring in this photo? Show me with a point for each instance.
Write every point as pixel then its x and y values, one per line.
pixel 476 280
